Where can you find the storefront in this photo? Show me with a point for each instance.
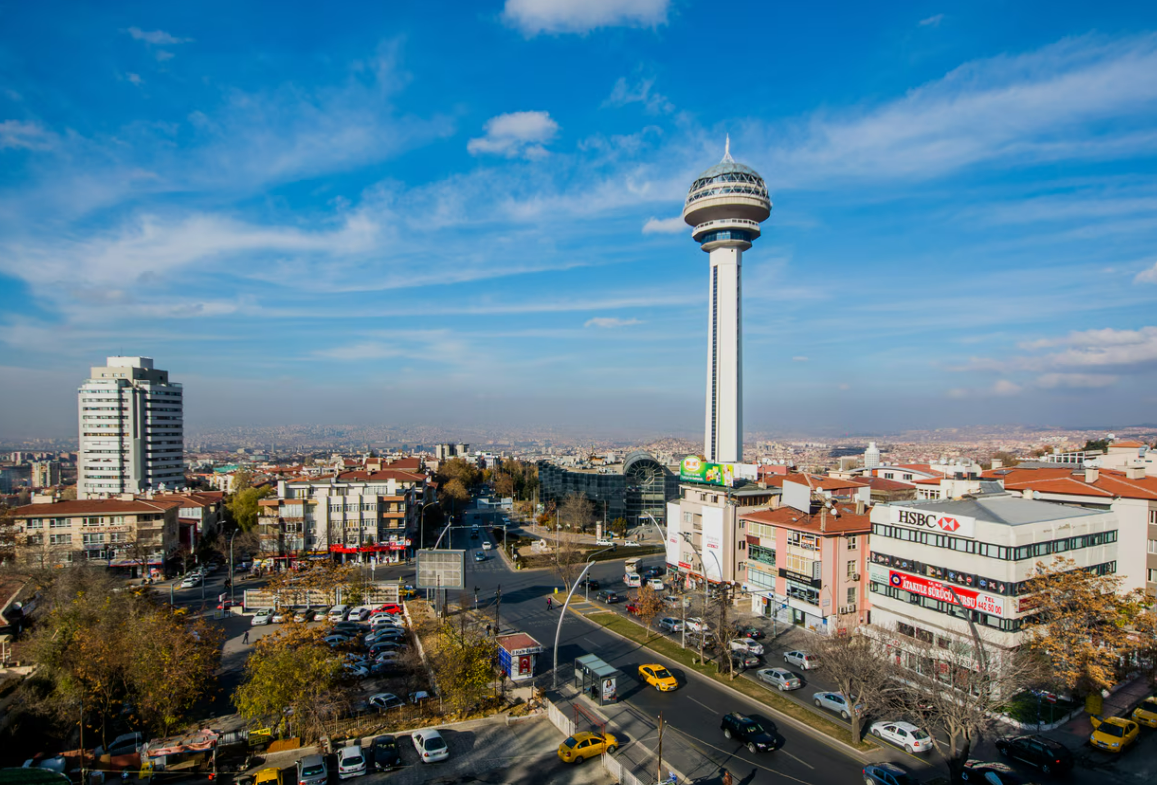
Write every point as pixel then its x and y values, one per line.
pixel 383 553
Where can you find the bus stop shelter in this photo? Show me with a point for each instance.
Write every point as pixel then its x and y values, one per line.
pixel 596 679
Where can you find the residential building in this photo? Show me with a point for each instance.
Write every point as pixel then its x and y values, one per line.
pixel 134 536
pixel 131 430
pixel 362 515
pixel 936 565
pixel 1123 454
pixel 638 487
pixel 200 513
pixel 45 474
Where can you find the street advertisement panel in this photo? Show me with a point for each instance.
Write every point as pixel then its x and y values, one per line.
pixel 713 543
pixel 695 468
pixel 674 539
pixel 932 521
pixel 957 595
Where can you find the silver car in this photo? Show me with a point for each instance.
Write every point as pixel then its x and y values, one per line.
pixel 835 701
pixel 801 659
pixel 311 770
pixel 780 678
pixel 669 624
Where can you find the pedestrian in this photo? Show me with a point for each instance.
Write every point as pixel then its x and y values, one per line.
pixel 549 604
pixel 726 777
pixel 245 640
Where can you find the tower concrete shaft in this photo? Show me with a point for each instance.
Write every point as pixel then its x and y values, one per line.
pixel 725 205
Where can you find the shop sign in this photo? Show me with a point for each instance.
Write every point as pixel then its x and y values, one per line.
pixel 957 595
pixel 695 468
pixel 925 520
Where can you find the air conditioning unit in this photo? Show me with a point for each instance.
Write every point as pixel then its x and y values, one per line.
pixel 856 576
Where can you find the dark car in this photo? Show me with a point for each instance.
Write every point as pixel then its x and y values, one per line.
pixel 991 774
pixel 384 753
pixel 751 632
pixel 888 774
pixel 608 596
pixel 591 583
pixel 758 735
pixel 1047 755
pixel 743 660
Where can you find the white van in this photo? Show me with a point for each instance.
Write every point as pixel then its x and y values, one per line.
pixel 339 612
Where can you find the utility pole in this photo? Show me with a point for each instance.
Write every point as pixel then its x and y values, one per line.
pixel 497 606
pixel 659 770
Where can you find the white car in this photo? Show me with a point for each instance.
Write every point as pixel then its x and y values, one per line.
pixel 780 678
pixel 262 617
pixel 339 612
pixel 486 545
pixel 746 645
pixel 903 734
pixel 418 697
pixel 386 700
pixel 632 544
pixel 191 582
pixel 351 762
pixel 430 745
pixel 358 671
pixel 801 659
pixel 281 615
pixel 695 624
pixel 656 584
pixel 604 543
pixel 360 613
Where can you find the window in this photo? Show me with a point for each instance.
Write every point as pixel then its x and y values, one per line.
pixel 94 520
pixel 852 570
pixel 59 539
pixel 852 595
pixel 36 523
pixel 93 538
pixel 1152 576
pixel 59 523
pixel 1152 546
pixel 852 541
pixel 761 554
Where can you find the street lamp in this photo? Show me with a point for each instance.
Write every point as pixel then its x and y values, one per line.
pixel 232 572
pixel 703 562
pixel 422 525
pixel 562 612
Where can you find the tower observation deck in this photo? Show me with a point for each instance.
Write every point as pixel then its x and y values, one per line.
pixel 725 206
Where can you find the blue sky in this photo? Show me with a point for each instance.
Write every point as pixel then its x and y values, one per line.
pixel 468 212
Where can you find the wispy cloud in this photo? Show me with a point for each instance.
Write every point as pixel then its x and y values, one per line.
pixel 932 21
pixel 675 225
pixel 1147 276
pixel 156 37
pixel 799 359
pixel 1076 380
pixel 532 17
pixel 516 134
pixel 624 93
pixel 25 135
pixel 135 79
pixel 608 322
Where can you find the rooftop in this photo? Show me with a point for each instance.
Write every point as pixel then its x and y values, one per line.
pixel 847 522
pixel 1005 508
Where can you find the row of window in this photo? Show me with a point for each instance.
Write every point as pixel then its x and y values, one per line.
pixel 948 608
pixel 991 550
pixel 726 234
pixel 991 585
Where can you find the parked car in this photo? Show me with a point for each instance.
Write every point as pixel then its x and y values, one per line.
pixel 270 775
pixel 695 624
pixel 1146 713
pixel 124 744
pixel 383 701
pixel 419 697
pixel 801 659
pixel 227 604
pixel 888 774
pixel 303 615
pixel 751 632
pixel 335 639
pixel 582 746
pixel 359 614
pixel 1113 734
pixel 388 658
pixel 656 584
pixel 351 762
pixel 357 671
pixel 903 734
pixel 743 660
pixel 384 753
pixel 780 678
pixel 262 617
pixel 430 745
pixel 339 612
pixel 608 596
pixel 759 736
pixel 604 543
pixel 391 608
pixel 706 638
pixel 631 544
pixel 673 600
pixel 311 770
pixel 991 774
pixel 835 701
pixel 670 624
pixel 280 616
pixel 321 613
pixel 1047 755
pixel 658 677
pixel 746 645
pixel 633 608
pixel 385 620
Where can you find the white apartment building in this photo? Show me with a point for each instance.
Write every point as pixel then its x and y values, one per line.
pixel 131 430
pixel 936 564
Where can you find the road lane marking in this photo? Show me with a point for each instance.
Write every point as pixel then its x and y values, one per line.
pixel 704 705
pixel 694 741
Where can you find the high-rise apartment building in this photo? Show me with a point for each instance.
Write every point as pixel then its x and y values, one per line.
pixel 131 430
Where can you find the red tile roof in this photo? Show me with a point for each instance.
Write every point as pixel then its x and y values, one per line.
pixel 1129 443
pixel 90 507
pixel 824 483
pixel 1109 483
pixel 880 484
pixel 789 517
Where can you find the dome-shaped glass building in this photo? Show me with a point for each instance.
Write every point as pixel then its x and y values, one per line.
pixel 638 487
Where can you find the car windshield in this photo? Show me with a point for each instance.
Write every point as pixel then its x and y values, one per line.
pixel 435 743
pixel 662 673
pixel 570 742
pixel 312 771
pixel 919 735
pixel 385 745
pixel 354 760
pixel 1110 729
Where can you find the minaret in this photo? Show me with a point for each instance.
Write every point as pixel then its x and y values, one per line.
pixel 725 206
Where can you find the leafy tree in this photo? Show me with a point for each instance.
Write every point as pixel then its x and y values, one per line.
pixel 455 491
pixel 172 665
pixel 619 527
pixel 649 603
pixel 858 668
pixel 459 469
pixel 1096 445
pixel 293 674
pixel 504 485
pixel 243 506
pixel 242 480
pixel 463 663
pixel 1078 624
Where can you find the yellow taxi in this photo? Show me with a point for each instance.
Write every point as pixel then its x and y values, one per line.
pixel 658 677
pixel 585 745
pixel 268 776
pixel 1113 734
pixel 1146 713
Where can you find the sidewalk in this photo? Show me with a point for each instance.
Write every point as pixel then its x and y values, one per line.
pixel 1075 733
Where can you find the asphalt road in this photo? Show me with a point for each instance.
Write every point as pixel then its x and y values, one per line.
pixel 692 713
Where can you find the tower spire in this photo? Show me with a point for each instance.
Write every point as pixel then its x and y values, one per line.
pixel 727 159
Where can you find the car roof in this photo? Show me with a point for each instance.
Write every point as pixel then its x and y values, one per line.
pixel 901 724
pixel 353 749
pixel 311 760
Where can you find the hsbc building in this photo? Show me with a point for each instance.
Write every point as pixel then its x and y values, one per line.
pixel 935 565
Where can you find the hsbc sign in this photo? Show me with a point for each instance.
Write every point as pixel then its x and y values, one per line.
pixel 938 523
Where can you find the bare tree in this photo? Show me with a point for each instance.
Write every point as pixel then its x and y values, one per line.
pixel 725 625
pixel 575 512
pixel 861 672
pixel 961 683
pixel 649 604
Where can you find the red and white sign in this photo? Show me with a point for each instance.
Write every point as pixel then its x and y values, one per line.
pixel 957 595
pixel 932 521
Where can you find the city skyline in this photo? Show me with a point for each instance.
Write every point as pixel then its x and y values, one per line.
pixel 308 220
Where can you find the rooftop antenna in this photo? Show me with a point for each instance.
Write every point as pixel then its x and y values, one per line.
pixel 727 159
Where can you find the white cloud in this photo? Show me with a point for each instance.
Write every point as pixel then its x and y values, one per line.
pixel 1005 387
pixel 1022 109
pixel 674 225
pixel 932 21
pixel 606 322
pixel 624 93
pixel 515 134
pixel 135 79
pixel 799 359
pixel 156 37
pixel 1075 380
pixel 25 135
pixel 581 16
pixel 163 55
pixel 1147 276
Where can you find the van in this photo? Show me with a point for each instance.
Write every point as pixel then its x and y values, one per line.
pixel 339 612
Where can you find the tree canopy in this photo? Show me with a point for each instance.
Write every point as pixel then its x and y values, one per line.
pixel 243 506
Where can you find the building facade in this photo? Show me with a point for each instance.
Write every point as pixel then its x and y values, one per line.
pixel 45 474
pixel 936 565
pixel 133 535
pixel 131 430
pixel 638 487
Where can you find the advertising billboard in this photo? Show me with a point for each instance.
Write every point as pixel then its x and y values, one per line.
pixel 932 521
pixel 695 468
pixel 713 543
pixel 674 538
pixel 957 595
